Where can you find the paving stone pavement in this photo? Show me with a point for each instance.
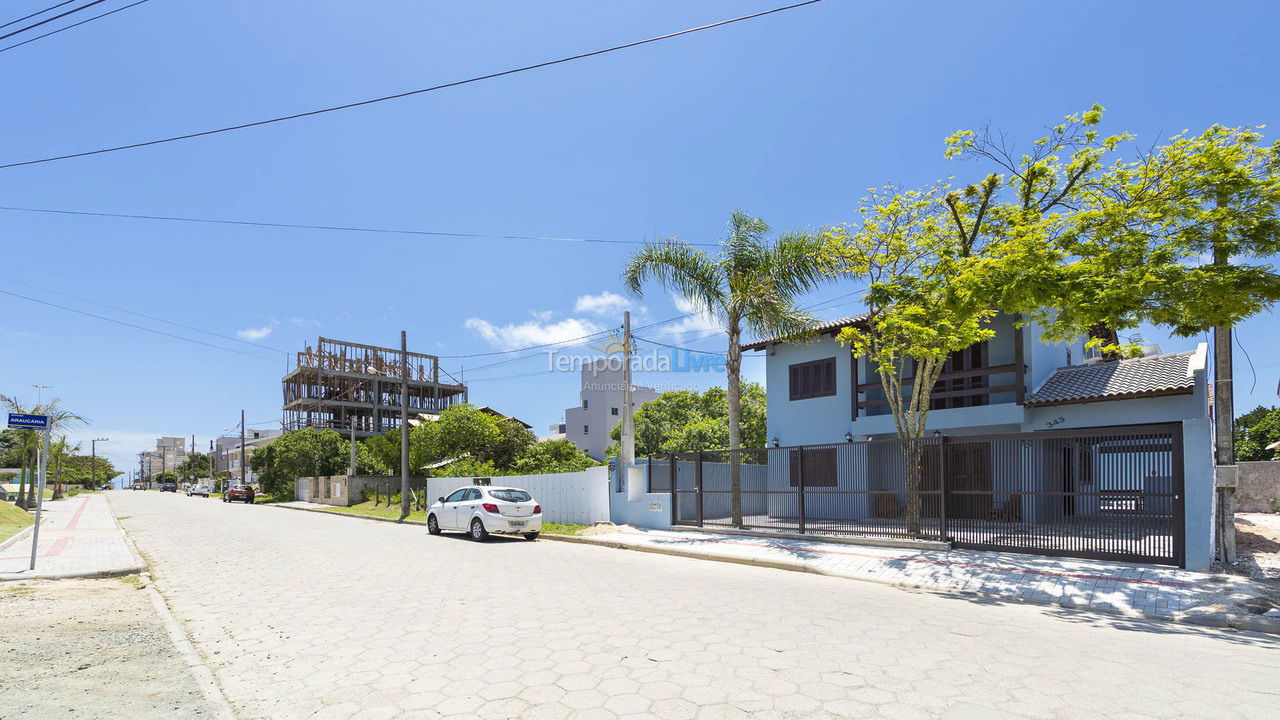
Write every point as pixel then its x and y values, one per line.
pixel 307 615
pixel 79 537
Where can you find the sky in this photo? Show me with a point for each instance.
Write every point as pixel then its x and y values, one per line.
pixel 789 117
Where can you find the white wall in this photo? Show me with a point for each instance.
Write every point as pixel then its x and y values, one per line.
pixel 578 498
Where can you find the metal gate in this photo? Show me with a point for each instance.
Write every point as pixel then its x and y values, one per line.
pixel 1108 493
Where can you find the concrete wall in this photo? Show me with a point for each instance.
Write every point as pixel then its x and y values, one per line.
pixel 344 491
pixel 1259 485
pixel 573 498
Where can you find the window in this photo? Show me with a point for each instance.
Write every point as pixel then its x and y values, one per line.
pixel 456 495
pixel 511 495
pixel 584 403
pixel 813 379
pixel 819 467
pixel 586 429
pixel 613 411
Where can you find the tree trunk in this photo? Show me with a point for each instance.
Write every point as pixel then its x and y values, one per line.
pixel 913 449
pixel 33 486
pixel 22 483
pixel 733 396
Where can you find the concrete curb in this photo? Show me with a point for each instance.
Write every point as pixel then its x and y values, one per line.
pixel 138 566
pixel 1230 621
pixel 195 663
pixel 393 521
pixel 24 532
pixel 864 542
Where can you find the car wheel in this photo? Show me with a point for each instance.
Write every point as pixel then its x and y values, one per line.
pixel 433 526
pixel 477 530
pixel 531 536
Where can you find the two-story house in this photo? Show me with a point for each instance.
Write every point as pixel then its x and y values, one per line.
pixel 1031 446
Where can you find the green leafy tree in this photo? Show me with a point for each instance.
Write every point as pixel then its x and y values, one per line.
pixel 749 284
pixel 687 421
pixel 1254 431
pixel 59 453
pixel 553 456
pixel 196 466
pixel 300 453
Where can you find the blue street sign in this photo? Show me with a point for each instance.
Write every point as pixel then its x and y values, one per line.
pixel 23 421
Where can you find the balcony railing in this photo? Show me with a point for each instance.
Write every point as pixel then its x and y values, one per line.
pixel 979 389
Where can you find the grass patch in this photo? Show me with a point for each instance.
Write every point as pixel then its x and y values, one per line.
pixel 381 510
pixel 12 520
pixel 562 528
pixel 135 580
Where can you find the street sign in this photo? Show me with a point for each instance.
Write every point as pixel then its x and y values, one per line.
pixel 24 421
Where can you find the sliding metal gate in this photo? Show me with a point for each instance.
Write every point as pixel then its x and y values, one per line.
pixel 1107 493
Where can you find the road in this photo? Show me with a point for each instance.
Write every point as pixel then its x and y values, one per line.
pixel 308 615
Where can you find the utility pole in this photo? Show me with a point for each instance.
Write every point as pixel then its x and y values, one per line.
pixel 1224 420
pixel 351 470
pixel 191 462
pixel 404 426
pixel 242 468
pixel 212 482
pixel 93 460
pixel 628 414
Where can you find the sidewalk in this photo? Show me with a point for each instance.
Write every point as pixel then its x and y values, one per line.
pixel 78 538
pixel 1127 589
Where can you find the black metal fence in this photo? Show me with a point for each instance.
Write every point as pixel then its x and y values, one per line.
pixel 1110 493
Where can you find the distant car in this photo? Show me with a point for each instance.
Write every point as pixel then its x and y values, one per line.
pixel 198 490
pixel 479 511
pixel 243 493
pixel 139 486
pixel 169 487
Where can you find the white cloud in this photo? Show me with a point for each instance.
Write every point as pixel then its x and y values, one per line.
pixel 606 303
pixel 257 333
pixel 18 335
pixel 700 323
pixel 517 335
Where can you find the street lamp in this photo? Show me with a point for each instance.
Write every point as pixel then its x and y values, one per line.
pixel 93 462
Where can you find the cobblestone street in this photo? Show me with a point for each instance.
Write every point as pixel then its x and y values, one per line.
pixel 307 615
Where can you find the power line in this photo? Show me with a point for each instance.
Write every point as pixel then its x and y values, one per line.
pixel 339 228
pixel 144 315
pixel 138 327
pixel 72 25
pixel 46 21
pixel 531 347
pixel 397 96
pixel 38 12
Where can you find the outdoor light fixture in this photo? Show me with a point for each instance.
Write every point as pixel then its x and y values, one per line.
pixel 937 433
pixel 775 441
pixel 848 437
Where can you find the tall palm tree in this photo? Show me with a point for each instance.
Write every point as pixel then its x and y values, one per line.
pixel 59 452
pixel 750 282
pixel 58 420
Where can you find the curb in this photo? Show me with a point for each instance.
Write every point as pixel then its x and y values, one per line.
pixel 24 532
pixel 350 515
pixel 1254 623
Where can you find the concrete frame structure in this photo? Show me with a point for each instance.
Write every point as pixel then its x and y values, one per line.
pixel 344 385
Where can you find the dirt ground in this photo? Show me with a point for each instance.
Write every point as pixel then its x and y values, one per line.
pixel 90 649
pixel 1258 544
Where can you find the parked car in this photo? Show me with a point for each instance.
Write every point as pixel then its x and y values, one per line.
pixel 479 511
pixel 169 487
pixel 139 486
pixel 198 490
pixel 243 493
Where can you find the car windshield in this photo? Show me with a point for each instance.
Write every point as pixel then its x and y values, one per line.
pixel 511 495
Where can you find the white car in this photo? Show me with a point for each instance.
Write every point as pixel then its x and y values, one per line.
pixel 479 511
pixel 198 490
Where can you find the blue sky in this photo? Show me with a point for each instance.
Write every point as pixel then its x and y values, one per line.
pixel 789 117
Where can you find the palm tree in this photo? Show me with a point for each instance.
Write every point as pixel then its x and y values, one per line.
pixel 59 452
pixel 750 282
pixel 58 419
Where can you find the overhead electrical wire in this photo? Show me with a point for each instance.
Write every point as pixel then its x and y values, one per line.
pixel 409 93
pixel 46 21
pixel 144 315
pixel 38 12
pixel 138 327
pixel 337 228
pixel 72 25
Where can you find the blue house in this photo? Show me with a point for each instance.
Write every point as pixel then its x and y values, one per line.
pixel 1031 446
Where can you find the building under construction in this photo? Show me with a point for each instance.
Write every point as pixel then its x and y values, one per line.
pixel 344 386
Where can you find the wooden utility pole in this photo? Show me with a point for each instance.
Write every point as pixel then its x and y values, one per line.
pixel 404 426
pixel 628 413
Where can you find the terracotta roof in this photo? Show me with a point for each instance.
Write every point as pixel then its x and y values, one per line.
pixel 825 328
pixel 1169 374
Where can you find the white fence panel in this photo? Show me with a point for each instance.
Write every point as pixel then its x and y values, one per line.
pixel 580 498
